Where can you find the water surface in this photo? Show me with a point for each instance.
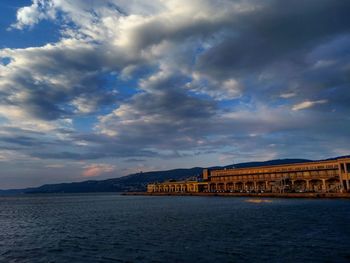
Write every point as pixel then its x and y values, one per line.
pixel 115 228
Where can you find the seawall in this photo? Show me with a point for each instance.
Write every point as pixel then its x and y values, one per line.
pixel 274 195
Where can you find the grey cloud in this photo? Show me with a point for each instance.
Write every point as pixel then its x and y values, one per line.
pixel 134 160
pixel 119 153
pixel 163 116
pixel 21 140
pixel 269 49
pixel 277 31
pixel 53 77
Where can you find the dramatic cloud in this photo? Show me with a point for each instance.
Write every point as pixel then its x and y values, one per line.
pixel 175 83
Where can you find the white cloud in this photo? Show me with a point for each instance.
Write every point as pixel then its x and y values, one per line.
pixel 288 95
pixel 28 16
pixel 307 104
pixel 226 89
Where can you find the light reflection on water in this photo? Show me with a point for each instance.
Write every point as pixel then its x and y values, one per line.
pixel 258 200
pixel 114 228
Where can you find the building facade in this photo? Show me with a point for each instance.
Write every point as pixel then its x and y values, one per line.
pixel 322 176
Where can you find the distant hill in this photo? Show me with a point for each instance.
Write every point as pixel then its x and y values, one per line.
pixel 139 181
pixel 133 182
pixel 266 163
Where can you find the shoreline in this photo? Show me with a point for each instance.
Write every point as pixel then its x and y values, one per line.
pixel 263 195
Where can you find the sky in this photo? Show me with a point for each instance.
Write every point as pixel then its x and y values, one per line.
pixel 95 89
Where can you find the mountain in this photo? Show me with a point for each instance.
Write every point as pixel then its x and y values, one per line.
pixel 133 182
pixel 138 181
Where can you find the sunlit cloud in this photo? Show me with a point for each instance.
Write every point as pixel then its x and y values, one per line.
pixel 97 169
pixel 307 104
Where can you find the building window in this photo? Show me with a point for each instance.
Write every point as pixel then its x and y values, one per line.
pixel 306 173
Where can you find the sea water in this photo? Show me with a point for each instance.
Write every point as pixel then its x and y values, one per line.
pixel 116 228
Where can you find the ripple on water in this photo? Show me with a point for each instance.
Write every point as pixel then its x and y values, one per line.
pixel 112 228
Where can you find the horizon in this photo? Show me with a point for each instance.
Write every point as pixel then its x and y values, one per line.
pixel 97 178
pixel 103 89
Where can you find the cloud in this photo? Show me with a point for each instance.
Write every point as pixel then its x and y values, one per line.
pixel 92 170
pixel 171 80
pixel 28 16
pixel 307 104
pixel 226 89
pixel 55 166
pixel 288 95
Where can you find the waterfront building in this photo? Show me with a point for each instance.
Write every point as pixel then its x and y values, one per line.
pixel 320 176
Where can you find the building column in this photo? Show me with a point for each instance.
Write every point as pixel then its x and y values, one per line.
pixel 292 181
pixel 254 185
pixel 340 178
pixel 347 177
pixel 324 185
pixel 307 185
pixel 266 185
pixel 234 186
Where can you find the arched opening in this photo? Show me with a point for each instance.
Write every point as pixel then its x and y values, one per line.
pixel 316 185
pixel 239 187
pixel 261 186
pixel 249 186
pixel 220 187
pixel 300 186
pixel 333 185
pixel 229 187
pixel 212 188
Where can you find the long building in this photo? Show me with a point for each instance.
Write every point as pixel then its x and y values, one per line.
pixel 322 176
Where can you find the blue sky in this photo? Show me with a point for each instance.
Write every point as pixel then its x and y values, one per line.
pixel 103 88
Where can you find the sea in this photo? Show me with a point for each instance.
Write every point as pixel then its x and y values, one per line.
pixel 117 228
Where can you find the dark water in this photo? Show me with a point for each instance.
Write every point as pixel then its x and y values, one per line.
pixel 113 228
